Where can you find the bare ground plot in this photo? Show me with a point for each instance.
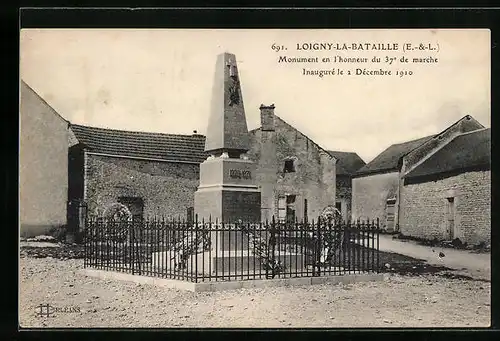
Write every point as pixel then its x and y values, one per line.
pixel 465 262
pixel 401 301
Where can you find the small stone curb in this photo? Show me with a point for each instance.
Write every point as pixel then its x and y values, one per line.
pixel 231 285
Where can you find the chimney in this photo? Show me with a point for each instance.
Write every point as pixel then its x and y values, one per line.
pixel 267 117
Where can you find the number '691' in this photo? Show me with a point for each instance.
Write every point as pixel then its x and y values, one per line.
pixel 277 47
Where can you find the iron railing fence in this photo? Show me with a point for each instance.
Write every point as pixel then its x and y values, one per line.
pixel 213 251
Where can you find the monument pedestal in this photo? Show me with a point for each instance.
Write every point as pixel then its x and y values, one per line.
pixel 227 191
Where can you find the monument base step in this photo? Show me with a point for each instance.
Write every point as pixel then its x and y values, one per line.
pixel 228 262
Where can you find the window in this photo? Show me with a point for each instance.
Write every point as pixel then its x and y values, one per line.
pixel 281 208
pixel 338 206
pixel 305 209
pixel 286 208
pixel 289 166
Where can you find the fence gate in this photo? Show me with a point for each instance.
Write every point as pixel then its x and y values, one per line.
pixel 76 216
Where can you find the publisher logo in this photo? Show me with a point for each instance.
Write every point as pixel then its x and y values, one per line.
pixel 47 310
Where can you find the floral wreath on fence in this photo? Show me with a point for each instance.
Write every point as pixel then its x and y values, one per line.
pixel 117 212
pixel 330 235
pixel 189 244
pixel 115 219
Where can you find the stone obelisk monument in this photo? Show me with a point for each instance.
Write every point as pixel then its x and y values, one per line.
pixel 227 190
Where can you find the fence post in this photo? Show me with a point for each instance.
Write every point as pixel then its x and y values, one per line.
pixel 378 240
pixel 131 247
pixel 197 246
pixel 85 247
pixel 272 244
pixel 317 250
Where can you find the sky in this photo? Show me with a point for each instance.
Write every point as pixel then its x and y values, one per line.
pixel 159 80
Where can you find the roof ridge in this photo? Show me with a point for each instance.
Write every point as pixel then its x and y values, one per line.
pixel 414 140
pixel 473 131
pixel 134 131
pixel 468 117
pixel 340 151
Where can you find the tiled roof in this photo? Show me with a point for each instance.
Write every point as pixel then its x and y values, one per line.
pixel 464 152
pixel 168 147
pixel 389 158
pixel 347 162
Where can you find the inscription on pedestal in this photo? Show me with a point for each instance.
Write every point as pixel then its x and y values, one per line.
pixel 240 174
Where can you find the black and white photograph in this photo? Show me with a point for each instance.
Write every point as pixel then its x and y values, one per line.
pixel 255 178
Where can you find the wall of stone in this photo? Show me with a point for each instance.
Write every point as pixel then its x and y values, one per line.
pixel 43 168
pixel 423 207
pixel 314 177
pixel 166 188
pixel 370 194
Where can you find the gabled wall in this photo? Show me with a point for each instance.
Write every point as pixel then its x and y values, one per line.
pixel 314 177
pixel 370 194
pixel 43 165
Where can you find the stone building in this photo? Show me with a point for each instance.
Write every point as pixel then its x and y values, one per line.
pixel 43 165
pixel 296 176
pixel 376 187
pixel 150 173
pixel 348 163
pixel 448 195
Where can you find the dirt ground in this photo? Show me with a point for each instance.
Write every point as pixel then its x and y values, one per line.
pixel 425 300
pixel 465 262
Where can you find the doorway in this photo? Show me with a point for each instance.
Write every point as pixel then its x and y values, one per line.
pixel 341 206
pixel 135 206
pixel 390 210
pixel 450 218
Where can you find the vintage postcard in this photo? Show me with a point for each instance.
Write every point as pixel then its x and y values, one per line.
pixel 188 178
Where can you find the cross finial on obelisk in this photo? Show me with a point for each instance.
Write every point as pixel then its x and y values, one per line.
pixel 232 68
pixel 227 127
